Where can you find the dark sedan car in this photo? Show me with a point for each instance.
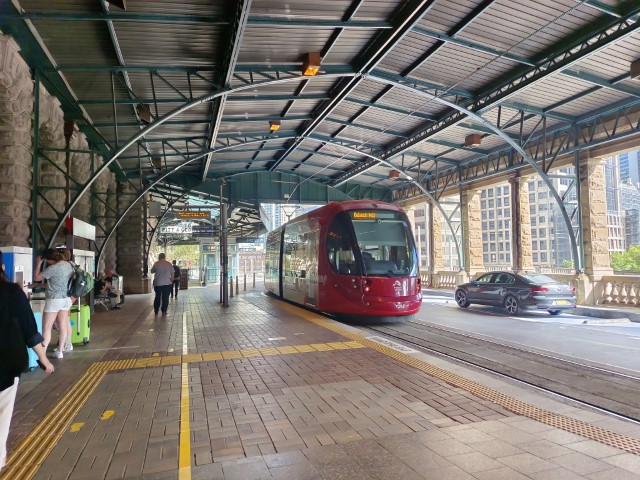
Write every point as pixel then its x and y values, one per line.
pixel 517 292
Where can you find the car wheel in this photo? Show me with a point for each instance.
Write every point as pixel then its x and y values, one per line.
pixel 461 299
pixel 511 305
pixel 554 312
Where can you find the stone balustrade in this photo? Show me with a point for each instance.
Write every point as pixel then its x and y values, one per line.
pixel 621 290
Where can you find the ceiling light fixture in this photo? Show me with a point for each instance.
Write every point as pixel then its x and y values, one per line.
pixel 634 70
pixel 274 125
pixel 472 140
pixel 311 64
pixel 119 3
pixel 144 113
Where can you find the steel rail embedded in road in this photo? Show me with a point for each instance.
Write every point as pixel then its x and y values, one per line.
pixel 628 412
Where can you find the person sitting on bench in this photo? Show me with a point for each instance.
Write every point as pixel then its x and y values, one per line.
pixel 103 291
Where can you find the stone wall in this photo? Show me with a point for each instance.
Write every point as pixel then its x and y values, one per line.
pixel 16 164
pixel 16 150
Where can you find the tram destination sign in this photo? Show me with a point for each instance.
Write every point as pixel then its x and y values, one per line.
pixel 194 215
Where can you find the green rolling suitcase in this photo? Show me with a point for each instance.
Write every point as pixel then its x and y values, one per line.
pixel 80 329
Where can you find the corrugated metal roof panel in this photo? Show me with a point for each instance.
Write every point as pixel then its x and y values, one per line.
pixel 266 44
pixel 85 43
pixel 169 44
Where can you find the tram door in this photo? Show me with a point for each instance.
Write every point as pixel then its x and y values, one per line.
pixel 311 256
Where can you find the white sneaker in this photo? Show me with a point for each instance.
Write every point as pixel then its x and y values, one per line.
pixel 56 354
pixel 68 347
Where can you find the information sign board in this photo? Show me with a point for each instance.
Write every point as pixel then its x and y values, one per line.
pixel 248 240
pixel 194 215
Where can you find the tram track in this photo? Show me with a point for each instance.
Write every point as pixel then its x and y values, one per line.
pixel 605 389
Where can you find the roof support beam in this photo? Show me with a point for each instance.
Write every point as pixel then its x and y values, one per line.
pixel 258 20
pixel 226 74
pixel 405 19
pixel 605 36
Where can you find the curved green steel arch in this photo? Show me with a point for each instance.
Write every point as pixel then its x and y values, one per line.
pixel 577 261
pixel 173 113
pixel 187 106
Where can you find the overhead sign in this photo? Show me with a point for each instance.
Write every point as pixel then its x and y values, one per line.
pixel 81 229
pixel 248 240
pixel 205 230
pixel 181 229
pixel 209 248
pixel 194 215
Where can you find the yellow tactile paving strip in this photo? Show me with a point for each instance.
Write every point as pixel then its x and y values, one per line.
pixel 27 458
pixel 568 424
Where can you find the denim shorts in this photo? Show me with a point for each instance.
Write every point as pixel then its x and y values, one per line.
pixel 55 305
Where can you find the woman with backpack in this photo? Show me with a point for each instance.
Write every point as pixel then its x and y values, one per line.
pixel 57 300
pixel 18 331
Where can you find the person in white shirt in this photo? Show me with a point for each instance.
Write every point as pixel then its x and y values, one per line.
pixel 162 282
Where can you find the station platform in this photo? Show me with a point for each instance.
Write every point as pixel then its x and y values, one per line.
pixel 267 390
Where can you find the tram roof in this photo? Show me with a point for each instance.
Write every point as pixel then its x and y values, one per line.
pixel 392 75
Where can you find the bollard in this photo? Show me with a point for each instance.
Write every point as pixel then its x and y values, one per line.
pixel 245 282
pixel 254 279
pixel 231 287
pixel 237 285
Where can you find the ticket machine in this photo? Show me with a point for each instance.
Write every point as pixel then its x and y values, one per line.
pixel 18 264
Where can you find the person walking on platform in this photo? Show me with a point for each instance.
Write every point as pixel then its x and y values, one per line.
pixel 18 331
pixel 58 303
pixel 176 280
pixel 162 283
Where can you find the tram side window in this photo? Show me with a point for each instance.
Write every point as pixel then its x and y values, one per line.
pixel 339 249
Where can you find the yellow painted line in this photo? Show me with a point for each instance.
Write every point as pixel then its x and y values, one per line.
pixel 561 422
pixel 184 461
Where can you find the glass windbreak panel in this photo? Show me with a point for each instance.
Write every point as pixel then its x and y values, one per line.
pixel 385 241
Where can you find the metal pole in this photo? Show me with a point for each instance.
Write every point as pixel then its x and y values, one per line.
pixel 231 286
pixel 221 282
pixel 254 279
pixel 36 167
pixel 223 247
pixel 245 282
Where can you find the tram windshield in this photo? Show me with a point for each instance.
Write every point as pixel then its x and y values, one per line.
pixel 382 245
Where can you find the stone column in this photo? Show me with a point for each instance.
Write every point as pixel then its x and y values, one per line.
pixel 130 247
pixel 522 258
pixel 595 228
pixel 472 231
pixel 436 254
pixel 16 145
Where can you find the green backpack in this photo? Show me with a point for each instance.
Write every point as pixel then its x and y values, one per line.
pixel 80 283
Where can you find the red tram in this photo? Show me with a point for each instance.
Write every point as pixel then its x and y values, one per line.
pixel 353 259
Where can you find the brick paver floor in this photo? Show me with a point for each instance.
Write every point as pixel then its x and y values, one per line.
pixel 273 395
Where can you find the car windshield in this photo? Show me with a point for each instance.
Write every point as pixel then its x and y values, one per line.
pixel 536 278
